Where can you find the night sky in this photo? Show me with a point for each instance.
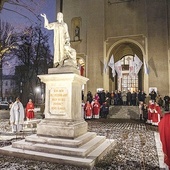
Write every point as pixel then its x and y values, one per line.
pixel 19 18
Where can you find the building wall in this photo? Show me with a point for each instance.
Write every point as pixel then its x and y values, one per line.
pixel 92 35
pixel 136 27
pixel 157 33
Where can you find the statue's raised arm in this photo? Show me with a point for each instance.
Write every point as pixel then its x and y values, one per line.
pixel 46 23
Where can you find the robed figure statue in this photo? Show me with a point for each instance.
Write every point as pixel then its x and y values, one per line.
pixel 62 49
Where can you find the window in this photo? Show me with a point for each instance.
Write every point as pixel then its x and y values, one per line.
pixel 127 83
pixel 6 83
pixel 125 60
pixel 6 91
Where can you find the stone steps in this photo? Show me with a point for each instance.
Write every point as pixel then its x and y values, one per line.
pixel 43 156
pixel 77 142
pixel 124 112
pixel 84 151
pixel 81 151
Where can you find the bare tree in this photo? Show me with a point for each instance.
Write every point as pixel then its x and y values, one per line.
pixel 8 39
pixel 8 42
pixel 34 55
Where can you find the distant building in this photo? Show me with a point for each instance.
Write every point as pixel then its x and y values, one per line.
pixel 8 87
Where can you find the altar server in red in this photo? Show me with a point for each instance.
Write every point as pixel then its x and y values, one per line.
pixel 30 110
pixel 88 110
pixel 96 109
pixel 156 116
pixel 151 108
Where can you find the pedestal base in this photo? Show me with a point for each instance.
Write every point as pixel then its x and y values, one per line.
pixel 64 128
pixel 85 150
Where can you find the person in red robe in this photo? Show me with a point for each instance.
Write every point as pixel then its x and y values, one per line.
pixel 151 107
pixel 156 115
pixel 96 109
pixel 88 110
pixel 96 97
pixel 164 133
pixel 30 110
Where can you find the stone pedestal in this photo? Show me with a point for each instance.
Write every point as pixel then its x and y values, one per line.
pixel 63 117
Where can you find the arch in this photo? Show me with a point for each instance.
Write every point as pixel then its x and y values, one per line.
pixel 123 41
pixel 120 48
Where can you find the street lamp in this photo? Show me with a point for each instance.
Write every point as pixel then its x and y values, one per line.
pixel 37 91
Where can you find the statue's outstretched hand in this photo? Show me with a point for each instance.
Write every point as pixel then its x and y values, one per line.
pixel 43 15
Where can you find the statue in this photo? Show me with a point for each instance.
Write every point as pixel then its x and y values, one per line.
pixel 62 49
pixel 77 33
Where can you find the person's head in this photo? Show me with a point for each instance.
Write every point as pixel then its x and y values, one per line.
pixel 30 100
pixel 17 99
pixel 151 102
pixel 60 17
pixel 141 102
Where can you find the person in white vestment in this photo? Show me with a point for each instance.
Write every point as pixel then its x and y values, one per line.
pixel 17 116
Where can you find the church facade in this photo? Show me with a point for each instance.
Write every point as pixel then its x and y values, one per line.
pixel 100 29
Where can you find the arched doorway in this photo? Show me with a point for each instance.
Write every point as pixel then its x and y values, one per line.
pixel 125 51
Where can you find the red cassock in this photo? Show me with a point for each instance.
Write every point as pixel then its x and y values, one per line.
pixel 30 110
pixel 156 115
pixel 96 97
pixel 164 132
pixel 81 70
pixel 96 109
pixel 150 111
pixel 88 110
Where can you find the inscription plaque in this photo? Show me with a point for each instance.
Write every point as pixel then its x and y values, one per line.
pixel 58 100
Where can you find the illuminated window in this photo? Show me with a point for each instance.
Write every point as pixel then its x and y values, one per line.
pixel 127 83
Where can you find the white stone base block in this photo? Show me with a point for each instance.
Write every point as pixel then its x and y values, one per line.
pixel 65 129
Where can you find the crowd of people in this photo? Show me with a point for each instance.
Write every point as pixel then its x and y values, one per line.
pixel 149 111
pixel 97 105
pixel 95 109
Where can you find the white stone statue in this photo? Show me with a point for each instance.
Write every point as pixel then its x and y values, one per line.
pixel 62 49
